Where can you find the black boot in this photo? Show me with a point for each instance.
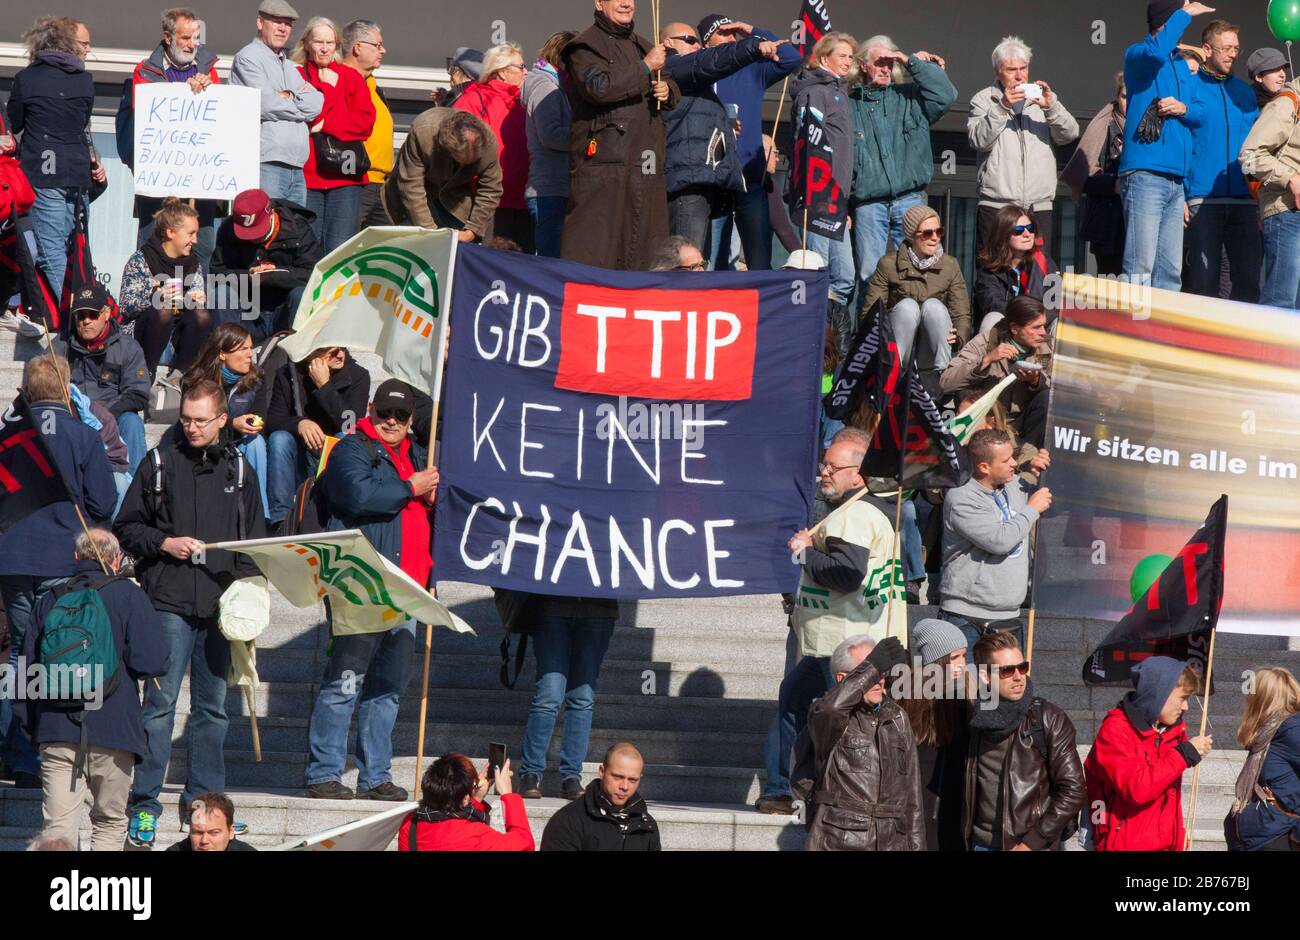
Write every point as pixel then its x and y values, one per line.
pixel 840 319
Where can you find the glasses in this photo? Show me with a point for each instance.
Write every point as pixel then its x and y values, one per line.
pixel 697 266
pixel 930 232
pixel 199 423
pixel 689 40
pixel 823 467
pixel 1021 229
pixel 377 45
pixel 400 415
pixel 1226 48
pixel 1006 672
pixel 515 65
pixel 88 314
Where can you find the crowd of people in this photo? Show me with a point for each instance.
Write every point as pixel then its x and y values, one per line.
pixel 638 154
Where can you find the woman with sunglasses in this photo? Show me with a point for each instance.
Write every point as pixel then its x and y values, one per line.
pixel 1010 264
pixel 495 99
pixel 922 288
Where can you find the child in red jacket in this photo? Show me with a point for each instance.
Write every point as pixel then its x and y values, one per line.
pixel 1136 764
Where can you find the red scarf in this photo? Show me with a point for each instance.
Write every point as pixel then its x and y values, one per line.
pixel 417 534
pixel 95 345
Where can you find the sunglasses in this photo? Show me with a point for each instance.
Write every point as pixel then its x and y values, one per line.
pixel 88 314
pixel 1005 672
pixel 930 232
pixel 689 40
pixel 1021 229
pixel 400 415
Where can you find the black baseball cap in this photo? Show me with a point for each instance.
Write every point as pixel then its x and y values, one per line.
pixel 91 297
pixel 710 24
pixel 394 394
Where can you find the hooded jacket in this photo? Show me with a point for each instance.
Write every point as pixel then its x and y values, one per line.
pixel 1270 155
pixel 1017 165
pixel 819 91
pixel 142 653
pixel 200 498
pixel 892 155
pixel 50 102
pixel 547 117
pixel 986 549
pixel 465 834
pixel 590 824
pixel 294 396
pixel 498 105
pixel 1135 769
pixel 1154 70
pixel 294 249
pixel 1230 113
pixel 114 374
pixel 700 144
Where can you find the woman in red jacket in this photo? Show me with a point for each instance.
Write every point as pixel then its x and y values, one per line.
pixel 1135 768
pixel 334 192
pixel 452 816
pixel 495 99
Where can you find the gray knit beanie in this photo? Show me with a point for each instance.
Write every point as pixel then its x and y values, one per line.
pixel 932 640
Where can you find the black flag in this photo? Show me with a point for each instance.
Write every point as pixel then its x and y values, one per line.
pixel 912 443
pixel 1176 615
pixel 813 193
pixel 873 367
pixel 29 476
pixel 814 22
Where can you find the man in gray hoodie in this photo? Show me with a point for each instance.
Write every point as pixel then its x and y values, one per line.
pixel 986 526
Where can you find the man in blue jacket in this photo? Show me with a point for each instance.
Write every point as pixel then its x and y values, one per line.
pixel 36 553
pixel 1223 214
pixel 1163 108
pixel 703 166
pixel 375 481
pixel 745 89
pixel 114 729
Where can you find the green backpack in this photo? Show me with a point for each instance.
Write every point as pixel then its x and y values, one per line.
pixel 77 650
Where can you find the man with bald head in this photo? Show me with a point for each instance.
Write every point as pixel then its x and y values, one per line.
pixel 609 817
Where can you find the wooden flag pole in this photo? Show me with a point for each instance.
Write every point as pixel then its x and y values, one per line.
pixel 1033 606
pixel 780 104
pixel 894 565
pixel 659 73
pixel 428 627
pixel 1205 716
pixel 250 693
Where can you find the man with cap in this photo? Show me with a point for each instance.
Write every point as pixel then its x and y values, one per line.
pixel 1222 215
pixel 466 68
pixel 1266 69
pixel 1163 107
pixel 108 366
pixel 750 211
pixel 1270 157
pixel 289 104
pixel 270 241
pixel 376 481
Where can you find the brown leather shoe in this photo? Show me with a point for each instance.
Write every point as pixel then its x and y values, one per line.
pixel 572 789
pixel 530 786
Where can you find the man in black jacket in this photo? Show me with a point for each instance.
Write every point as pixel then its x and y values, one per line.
pixel 324 395
pixel 194 488
pixel 212 827
pixel 609 817
pixel 108 365
pixel 114 731
pixel 271 242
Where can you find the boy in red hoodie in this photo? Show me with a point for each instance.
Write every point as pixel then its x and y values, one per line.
pixel 1136 764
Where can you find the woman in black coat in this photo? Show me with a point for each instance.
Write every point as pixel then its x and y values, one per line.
pixel 1010 264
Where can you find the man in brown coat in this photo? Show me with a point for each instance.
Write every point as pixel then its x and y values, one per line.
pixel 868 792
pixel 618 200
pixel 447 175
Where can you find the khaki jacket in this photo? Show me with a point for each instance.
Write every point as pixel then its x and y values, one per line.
pixel 1016 162
pixel 425 175
pixel 1271 154
pixel 967 369
pixel 896 279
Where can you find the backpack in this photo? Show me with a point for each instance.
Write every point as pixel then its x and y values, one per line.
pixel 156 487
pixel 77 649
pixel 310 511
pixel 518 613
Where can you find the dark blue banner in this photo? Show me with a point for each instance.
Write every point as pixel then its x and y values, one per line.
pixel 628 435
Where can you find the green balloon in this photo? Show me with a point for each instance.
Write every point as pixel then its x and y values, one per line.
pixel 1145 573
pixel 1284 19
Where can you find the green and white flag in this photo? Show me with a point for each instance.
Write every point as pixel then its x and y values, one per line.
pixel 367 592
pixel 386 290
pixel 369 834
pixel 961 425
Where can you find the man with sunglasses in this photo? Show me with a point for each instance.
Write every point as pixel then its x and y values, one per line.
pixel 376 481
pixel 192 489
pixel 1024 780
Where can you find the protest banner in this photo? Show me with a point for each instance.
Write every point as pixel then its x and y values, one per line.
pixel 627 434
pixel 1161 403
pixel 818 198
pixel 196 145
pixel 368 834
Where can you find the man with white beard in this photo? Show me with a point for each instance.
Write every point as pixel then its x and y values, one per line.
pixel 180 57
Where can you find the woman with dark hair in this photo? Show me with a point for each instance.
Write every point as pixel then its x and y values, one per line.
pixel 547 119
pixel 1009 265
pixel 227 359
pixel 452 816
pixel 1018 344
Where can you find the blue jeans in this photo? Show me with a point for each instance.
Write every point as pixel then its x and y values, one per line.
pixel 130 425
pixel 808 680
pixel 548 223
pixel 838 256
pixel 253 447
pixel 375 668
pixel 123 483
pixel 724 243
pixel 747 218
pixel 1282 260
pixel 287 465
pixel 983 848
pixel 568 651
pixel 776 784
pixel 20 593
pixel 929 323
pixel 875 225
pixel 913 563
pixel 691 214
pixel 281 181
pixel 1214 229
pixel 1153 219
pixel 195 642
pixel 336 214
pixel 53 215
pixel 973 632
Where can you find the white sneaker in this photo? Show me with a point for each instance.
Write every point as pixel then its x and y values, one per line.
pixel 28 327
pixel 9 320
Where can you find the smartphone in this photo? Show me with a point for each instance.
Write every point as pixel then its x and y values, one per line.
pixel 496 759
